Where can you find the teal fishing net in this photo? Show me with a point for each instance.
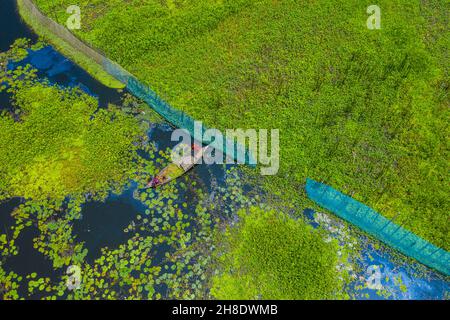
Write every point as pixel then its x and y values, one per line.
pixel 378 226
pixel 231 148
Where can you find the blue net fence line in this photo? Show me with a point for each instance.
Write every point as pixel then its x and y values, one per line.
pixel 231 148
pixel 378 226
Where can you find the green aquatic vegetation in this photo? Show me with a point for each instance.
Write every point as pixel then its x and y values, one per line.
pixel 121 273
pixel 79 150
pixel 164 227
pixel 185 230
pixel 124 272
pixel 38 284
pixel 58 143
pixel 95 69
pixel 54 223
pixel 268 255
pixel 129 271
pixel 354 245
pixel 19 50
pixel 9 285
pixel 7 244
pixel 363 110
pixel 57 151
pixel 349 250
pixel 139 109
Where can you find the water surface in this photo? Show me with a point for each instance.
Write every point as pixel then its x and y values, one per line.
pixel 103 223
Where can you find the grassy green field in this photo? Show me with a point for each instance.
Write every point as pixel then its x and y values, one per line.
pixel 365 111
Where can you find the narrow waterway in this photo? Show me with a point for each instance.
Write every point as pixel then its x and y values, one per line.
pixel 105 224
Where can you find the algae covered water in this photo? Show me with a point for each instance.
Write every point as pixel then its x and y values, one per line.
pixel 157 244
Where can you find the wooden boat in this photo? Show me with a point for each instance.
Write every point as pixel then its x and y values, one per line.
pixel 177 169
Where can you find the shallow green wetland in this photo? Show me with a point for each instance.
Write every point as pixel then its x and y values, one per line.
pixel 61 154
pixel 365 111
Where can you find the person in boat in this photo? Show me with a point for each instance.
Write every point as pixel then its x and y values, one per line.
pixel 160 179
pixel 157 181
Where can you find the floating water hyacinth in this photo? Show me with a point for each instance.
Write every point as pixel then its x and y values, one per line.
pixel 168 243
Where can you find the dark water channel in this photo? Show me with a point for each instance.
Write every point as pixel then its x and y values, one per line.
pixel 102 223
